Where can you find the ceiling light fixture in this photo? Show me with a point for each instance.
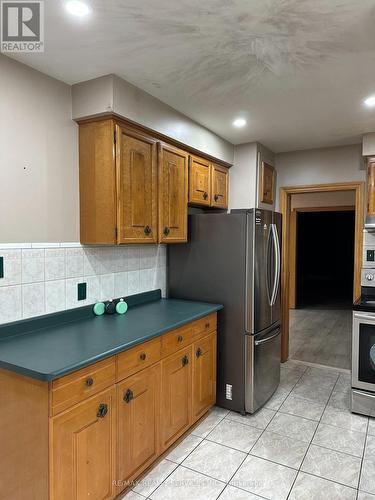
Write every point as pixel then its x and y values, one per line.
pixel 370 101
pixel 239 122
pixel 77 8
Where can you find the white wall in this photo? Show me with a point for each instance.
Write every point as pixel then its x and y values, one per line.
pixel 38 157
pixel 113 94
pixel 319 166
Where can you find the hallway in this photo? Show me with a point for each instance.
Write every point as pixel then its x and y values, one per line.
pixel 321 336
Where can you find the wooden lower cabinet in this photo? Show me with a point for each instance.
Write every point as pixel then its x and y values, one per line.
pixel 204 378
pixel 83 443
pixel 176 376
pixel 138 400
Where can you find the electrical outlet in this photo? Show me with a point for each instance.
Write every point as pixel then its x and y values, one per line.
pixel 1 267
pixel 82 291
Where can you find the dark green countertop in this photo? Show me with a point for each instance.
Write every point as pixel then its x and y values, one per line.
pixel 50 349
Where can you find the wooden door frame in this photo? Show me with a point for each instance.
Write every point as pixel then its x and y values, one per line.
pixel 293 235
pixel 285 208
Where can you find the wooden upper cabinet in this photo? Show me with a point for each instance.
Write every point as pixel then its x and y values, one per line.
pixel 219 186
pixel 199 181
pixel 371 186
pixel 138 422
pixel 82 444
pixel 173 194
pixel 97 182
pixel 136 161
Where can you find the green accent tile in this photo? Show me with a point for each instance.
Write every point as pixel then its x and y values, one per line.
pixel 82 291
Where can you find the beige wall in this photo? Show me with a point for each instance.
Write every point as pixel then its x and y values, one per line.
pixel 319 166
pixel 38 157
pixel 113 94
pixel 333 199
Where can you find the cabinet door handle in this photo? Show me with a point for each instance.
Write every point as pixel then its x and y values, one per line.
pixel 185 361
pixel 180 338
pixel 128 396
pixel 142 356
pixel 205 195
pixel 147 230
pixel 207 325
pixel 89 381
pixel 102 410
pixel 199 352
pixel 216 197
pixel 166 230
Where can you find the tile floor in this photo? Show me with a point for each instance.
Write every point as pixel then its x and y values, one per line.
pixel 304 445
pixel 321 336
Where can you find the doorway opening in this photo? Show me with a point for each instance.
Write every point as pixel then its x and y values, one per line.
pixel 321 267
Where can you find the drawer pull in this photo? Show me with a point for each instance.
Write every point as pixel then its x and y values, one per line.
pixel 216 197
pixel 166 231
pixel 142 356
pixel 199 352
pixel 128 396
pixel 207 325
pixel 180 338
pixel 89 381
pixel 147 230
pixel 185 361
pixel 102 410
pixel 205 195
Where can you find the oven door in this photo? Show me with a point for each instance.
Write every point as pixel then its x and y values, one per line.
pixel 363 371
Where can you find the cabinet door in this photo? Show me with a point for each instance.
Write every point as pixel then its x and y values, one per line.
pixel 219 186
pixel 82 444
pixel 176 396
pixel 173 194
pixel 199 181
pixel 138 422
pixel 204 375
pixel 136 157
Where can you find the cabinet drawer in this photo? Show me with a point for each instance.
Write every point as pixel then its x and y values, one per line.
pixel 204 325
pixel 77 386
pixel 177 339
pixel 138 357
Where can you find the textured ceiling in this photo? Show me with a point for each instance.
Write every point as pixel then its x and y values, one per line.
pixel 298 70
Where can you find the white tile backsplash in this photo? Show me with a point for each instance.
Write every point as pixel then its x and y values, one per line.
pixel 42 278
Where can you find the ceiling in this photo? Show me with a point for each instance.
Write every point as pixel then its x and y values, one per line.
pixel 297 70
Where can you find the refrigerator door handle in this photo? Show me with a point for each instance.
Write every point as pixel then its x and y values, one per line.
pixel 269 295
pixel 267 339
pixel 276 242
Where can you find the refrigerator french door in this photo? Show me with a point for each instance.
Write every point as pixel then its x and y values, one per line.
pixel 234 259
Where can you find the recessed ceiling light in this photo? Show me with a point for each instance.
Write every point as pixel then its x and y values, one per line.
pixel 77 8
pixel 370 101
pixel 239 122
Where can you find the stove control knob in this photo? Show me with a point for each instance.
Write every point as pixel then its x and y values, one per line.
pixel 369 277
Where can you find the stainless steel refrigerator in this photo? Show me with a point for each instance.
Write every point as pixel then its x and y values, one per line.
pixel 235 259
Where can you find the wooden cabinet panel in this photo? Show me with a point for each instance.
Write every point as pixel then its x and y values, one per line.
pixel 176 396
pixel 137 358
pixel 82 444
pixel 199 181
pixel 138 422
pixel 176 340
pixel 97 183
pixel 173 194
pixel 219 186
pixel 203 326
pixel 204 375
pixel 80 385
pixel 371 186
pixel 136 157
